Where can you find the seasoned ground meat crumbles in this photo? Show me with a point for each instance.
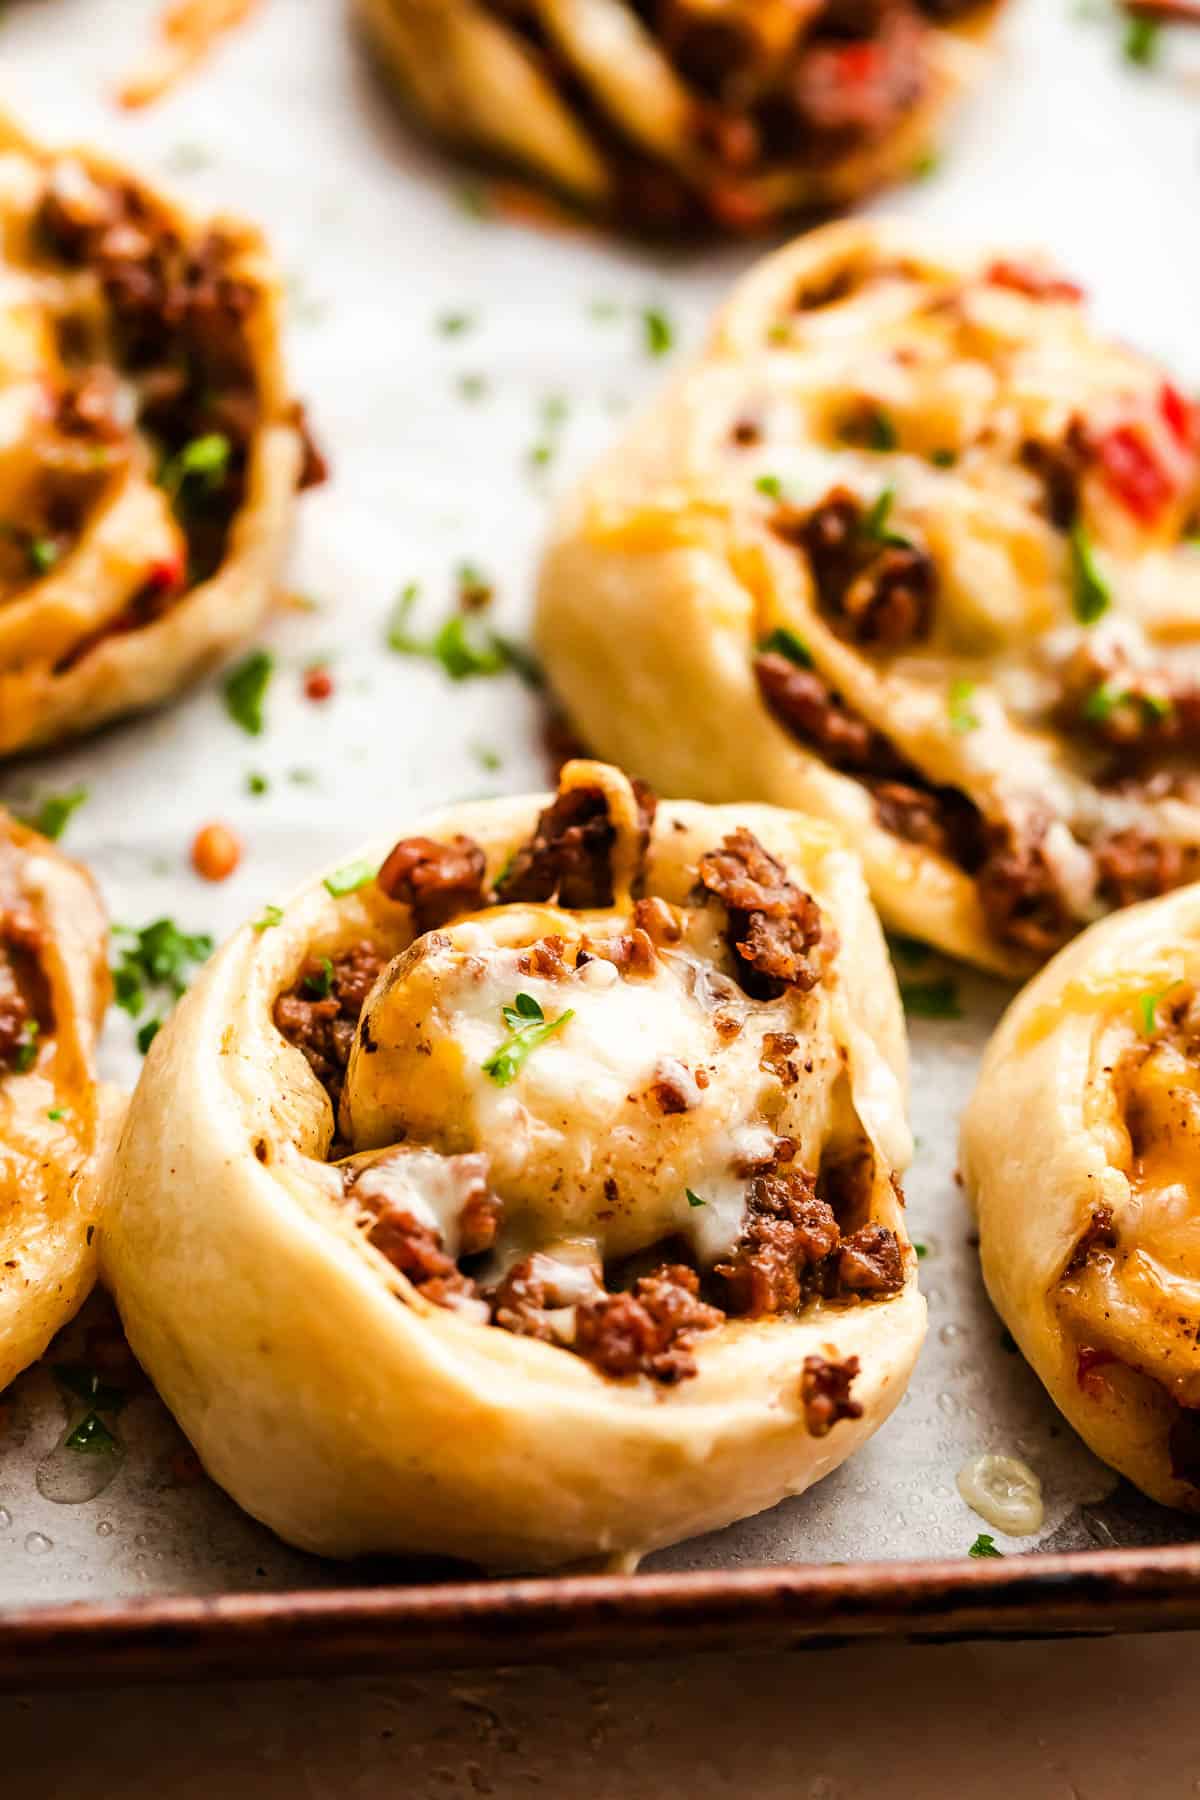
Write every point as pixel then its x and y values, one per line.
pixel 569 857
pixel 649 1331
pixel 825 1393
pixel 774 927
pixel 438 881
pixel 875 590
pixel 792 1244
pixel 320 1013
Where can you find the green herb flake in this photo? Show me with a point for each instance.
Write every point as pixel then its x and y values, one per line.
pixel 528 1027
pixel 474 200
pixel 454 324
pixel 256 784
pixel 604 310
pixel 881 433
pixel 876 526
pixel 927 164
pixel 269 917
pixel 931 999
pixel 984 1546
pixel 320 985
pixel 91 1437
pixel 944 459
pixel 1091 596
pixel 922 1251
pixel 770 486
pixel 43 554
pixel 156 957
pixel 245 690
pixel 472 387
pixel 57 1114
pixel 487 758
pixel 463 656
pixel 55 811
pixel 1143 40
pixel 349 878
pixel 784 642
pixel 658 333
pixel 27 1049
pixel 204 460
pixel 963 717
pixel 910 950
pixel 694 1199
pixel 147 1034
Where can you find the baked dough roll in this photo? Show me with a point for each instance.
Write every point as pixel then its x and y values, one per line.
pixel 149 449
pixel 56 1123
pixel 688 113
pixel 536 1199
pixel 1079 1151
pixel 911 547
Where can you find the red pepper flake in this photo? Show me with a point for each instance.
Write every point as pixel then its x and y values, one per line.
pixel 1036 284
pixel 216 852
pixel 857 64
pixel 1134 473
pixel 318 683
pixel 1087 1362
pixel 1179 415
pixel 166 576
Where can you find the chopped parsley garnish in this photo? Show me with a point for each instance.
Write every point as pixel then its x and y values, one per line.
pixel 157 961
pixel 57 1114
pixel 931 999
pixel 528 1027
pixel 91 1437
pixel 472 387
pixel 27 1049
pixel 320 984
pixel 771 486
pixel 474 200
pixel 487 758
pixel 349 878
pixel 922 1251
pixel 926 165
pixel 944 459
pixel 85 1384
pixel 1142 41
pixel 43 554
pixel 658 331
pixel 694 1199
pixel 875 524
pixel 984 1546
pixel 271 915
pixel 874 431
pixel 245 690
pixel 784 642
pixel 147 1034
pixel 963 717
pixel 256 784
pixel 454 324
pixel 1090 593
pixel 54 812
pixel 1106 699
pixel 204 459
pixel 464 650
pixel 1148 1005
pixel 603 310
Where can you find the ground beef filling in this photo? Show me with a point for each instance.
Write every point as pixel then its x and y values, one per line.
pixel 26 1014
pixel 775 930
pixel 569 857
pixel 179 327
pixel 825 1393
pixel 774 84
pixel 875 589
pixel 438 881
pixel 320 1014
pixel 792 1248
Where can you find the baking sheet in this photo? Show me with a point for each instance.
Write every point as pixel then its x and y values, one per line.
pixel 1068 147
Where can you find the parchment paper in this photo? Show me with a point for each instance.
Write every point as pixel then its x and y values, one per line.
pixel 1068 147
